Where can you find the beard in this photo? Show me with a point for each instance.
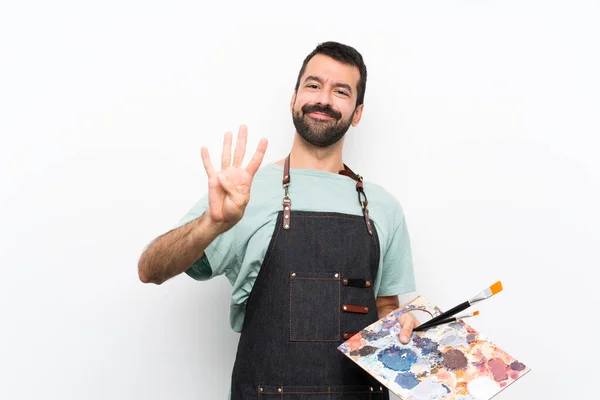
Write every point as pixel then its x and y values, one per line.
pixel 320 133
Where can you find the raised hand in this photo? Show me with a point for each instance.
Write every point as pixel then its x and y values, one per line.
pixel 229 189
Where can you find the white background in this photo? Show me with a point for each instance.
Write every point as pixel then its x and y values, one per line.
pixel 482 117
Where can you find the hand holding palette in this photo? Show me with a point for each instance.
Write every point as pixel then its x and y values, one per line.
pixel 450 361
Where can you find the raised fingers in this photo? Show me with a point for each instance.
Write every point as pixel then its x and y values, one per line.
pixel 226 154
pixel 240 146
pixel 257 159
pixel 210 170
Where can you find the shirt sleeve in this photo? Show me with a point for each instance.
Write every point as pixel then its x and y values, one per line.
pixel 397 271
pixel 220 256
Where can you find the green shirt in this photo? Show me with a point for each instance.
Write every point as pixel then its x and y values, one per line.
pixel 239 252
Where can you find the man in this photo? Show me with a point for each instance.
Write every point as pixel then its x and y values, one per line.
pixel 311 258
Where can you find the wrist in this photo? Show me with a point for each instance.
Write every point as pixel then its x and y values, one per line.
pixel 210 228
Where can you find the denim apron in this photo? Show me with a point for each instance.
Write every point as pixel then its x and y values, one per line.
pixel 314 291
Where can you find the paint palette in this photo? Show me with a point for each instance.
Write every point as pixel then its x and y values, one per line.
pixel 446 362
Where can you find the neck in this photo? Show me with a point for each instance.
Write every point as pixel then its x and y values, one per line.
pixel 306 156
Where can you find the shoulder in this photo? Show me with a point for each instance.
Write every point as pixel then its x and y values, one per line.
pixel 381 197
pixel 384 207
pixel 266 189
pixel 268 174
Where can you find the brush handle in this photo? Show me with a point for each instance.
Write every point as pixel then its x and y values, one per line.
pixel 443 316
pixel 434 324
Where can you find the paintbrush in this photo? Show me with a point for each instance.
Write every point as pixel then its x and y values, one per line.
pixel 487 293
pixel 449 320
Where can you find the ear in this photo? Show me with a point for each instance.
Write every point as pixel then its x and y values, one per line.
pixel 357 115
pixel 292 102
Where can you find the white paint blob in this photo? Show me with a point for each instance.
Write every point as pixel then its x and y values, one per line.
pixel 483 387
pixel 429 390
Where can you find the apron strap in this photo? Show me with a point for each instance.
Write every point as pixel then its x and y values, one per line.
pixel 362 197
pixel 287 201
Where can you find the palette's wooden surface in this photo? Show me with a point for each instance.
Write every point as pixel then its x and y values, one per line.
pixel 449 362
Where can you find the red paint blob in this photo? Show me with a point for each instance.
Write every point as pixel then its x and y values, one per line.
pixel 498 368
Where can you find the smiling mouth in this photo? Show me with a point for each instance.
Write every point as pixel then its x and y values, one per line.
pixel 320 116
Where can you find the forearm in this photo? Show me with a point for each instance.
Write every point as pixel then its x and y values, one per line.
pixel 386 304
pixel 175 251
pixel 383 311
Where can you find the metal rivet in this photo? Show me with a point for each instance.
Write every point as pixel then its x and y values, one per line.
pixel 336 275
pixel 380 388
pixel 371 389
pixel 260 389
pixel 287 226
pixel 345 308
pixel 293 274
pixel 287 208
pixel 279 390
pixel 287 216
pixel 368 283
pixel 367 309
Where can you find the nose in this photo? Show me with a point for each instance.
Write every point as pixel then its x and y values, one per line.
pixel 324 97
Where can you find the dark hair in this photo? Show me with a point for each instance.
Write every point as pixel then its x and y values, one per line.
pixel 344 54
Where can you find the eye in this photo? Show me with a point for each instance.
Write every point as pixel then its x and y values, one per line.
pixel 342 93
pixel 312 86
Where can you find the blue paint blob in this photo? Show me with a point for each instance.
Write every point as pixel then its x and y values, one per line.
pixel 364 351
pixel 456 325
pixel 388 323
pixel 407 380
pixel 397 359
pixel 373 336
pixel 426 345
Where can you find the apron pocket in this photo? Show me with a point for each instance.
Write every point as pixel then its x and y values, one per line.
pixel 315 307
pixel 284 392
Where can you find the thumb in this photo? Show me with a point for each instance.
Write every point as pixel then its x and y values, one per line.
pixel 407 328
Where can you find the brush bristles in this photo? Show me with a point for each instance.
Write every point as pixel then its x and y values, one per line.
pixel 496 287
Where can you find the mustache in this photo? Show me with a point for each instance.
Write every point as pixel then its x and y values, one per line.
pixel 327 110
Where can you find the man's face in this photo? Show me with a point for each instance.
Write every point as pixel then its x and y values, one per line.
pixel 323 108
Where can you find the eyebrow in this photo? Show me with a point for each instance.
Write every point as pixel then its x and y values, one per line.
pixel 337 84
